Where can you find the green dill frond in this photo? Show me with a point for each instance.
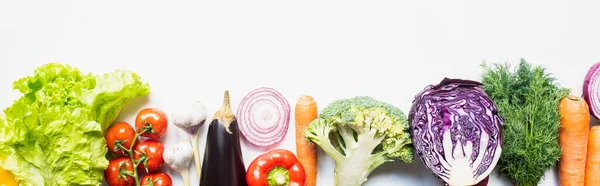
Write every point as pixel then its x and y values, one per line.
pixel 527 98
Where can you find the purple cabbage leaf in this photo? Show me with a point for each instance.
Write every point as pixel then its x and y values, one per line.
pixel 456 131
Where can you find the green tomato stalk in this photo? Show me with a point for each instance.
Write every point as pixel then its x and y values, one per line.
pixel 143 159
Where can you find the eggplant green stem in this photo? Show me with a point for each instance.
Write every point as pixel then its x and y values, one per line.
pixel 225 114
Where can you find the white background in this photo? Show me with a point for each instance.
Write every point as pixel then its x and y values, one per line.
pixel 388 50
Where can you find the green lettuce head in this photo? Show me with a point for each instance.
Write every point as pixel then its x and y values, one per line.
pixel 54 133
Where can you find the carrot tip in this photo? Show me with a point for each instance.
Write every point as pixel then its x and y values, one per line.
pixel 573 97
pixel 305 99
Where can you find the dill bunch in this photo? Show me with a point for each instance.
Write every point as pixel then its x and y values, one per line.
pixel 527 99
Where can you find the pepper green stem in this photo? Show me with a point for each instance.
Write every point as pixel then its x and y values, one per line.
pixel 278 177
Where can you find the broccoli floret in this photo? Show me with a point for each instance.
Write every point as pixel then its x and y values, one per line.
pixel 361 134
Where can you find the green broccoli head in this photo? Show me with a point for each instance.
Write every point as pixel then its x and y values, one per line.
pixel 366 117
pixel 360 134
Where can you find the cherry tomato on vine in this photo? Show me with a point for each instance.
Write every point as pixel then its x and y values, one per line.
pixel 152 121
pixel 150 153
pixel 118 136
pixel 156 179
pixel 118 172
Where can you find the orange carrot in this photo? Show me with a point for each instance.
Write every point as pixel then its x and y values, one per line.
pixel 573 139
pixel 306 112
pixel 592 167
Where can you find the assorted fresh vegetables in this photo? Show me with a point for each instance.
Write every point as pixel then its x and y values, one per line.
pixel 361 134
pixel 178 157
pixel 264 116
pixel 306 111
pixel 573 139
pixel 591 89
pixel 277 167
pixel 456 131
pixel 223 163
pixel 54 133
pixel 592 166
pixel 59 132
pixel 527 99
pixel 190 118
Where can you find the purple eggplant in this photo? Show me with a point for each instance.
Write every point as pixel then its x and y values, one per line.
pixel 223 164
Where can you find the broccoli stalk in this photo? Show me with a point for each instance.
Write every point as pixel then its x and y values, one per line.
pixel 361 134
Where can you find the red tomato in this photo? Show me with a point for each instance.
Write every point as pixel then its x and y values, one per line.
pixel 111 174
pixel 157 179
pixel 119 133
pixel 151 152
pixel 153 120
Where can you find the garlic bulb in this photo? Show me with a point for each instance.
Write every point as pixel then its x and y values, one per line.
pixel 189 117
pixel 178 157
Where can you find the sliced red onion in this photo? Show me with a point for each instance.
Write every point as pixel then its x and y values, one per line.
pixel 264 117
pixel 591 86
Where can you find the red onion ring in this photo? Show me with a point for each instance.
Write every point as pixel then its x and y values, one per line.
pixel 277 110
pixel 591 90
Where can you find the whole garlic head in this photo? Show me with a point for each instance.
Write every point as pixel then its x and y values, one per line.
pixel 179 156
pixel 189 117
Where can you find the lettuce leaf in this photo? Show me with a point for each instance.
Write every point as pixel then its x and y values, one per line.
pixel 54 134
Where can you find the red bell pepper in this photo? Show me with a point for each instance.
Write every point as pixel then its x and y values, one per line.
pixel 278 167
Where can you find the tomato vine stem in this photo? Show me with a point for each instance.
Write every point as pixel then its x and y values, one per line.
pixel 131 156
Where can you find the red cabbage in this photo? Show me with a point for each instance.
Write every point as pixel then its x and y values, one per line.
pixel 456 131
